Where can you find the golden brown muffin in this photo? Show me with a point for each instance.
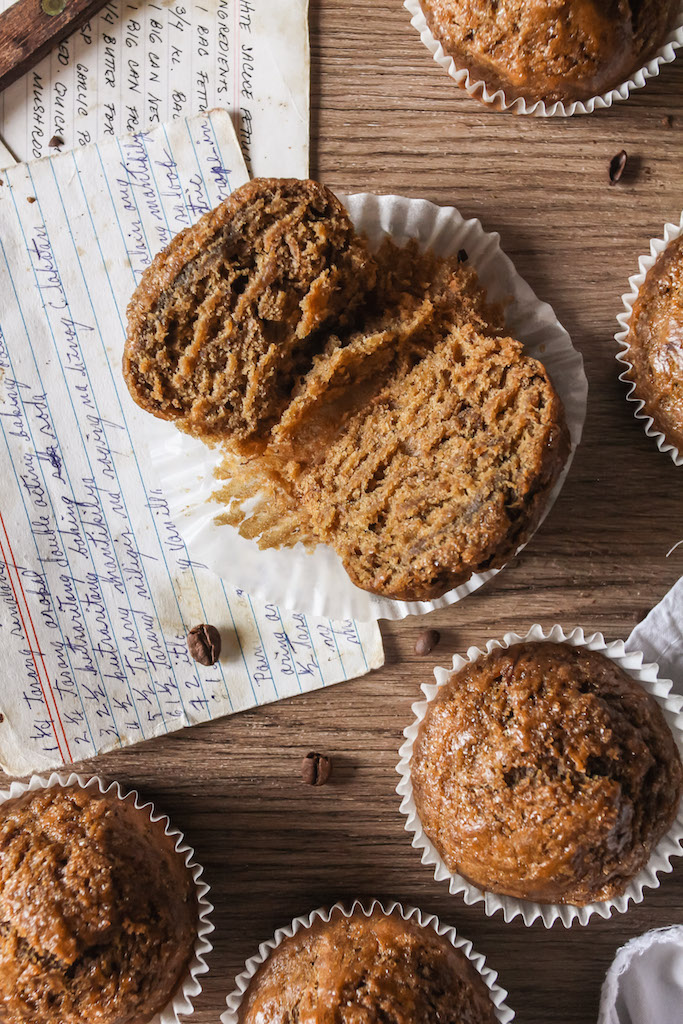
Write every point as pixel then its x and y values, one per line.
pixel 550 49
pixel 229 314
pixel 545 772
pixel 370 970
pixel 655 341
pixel 98 914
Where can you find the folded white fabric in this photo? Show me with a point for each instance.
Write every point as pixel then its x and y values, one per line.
pixel 644 985
pixel 660 637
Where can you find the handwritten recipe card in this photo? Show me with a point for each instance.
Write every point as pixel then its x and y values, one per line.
pixel 138 64
pixel 97 591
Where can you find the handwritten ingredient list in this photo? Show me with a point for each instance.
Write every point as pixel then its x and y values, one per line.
pixel 138 64
pixel 97 590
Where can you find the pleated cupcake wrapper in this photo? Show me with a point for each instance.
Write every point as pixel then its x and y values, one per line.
pixel 645 263
pixel 498 994
pixel 183 1000
pixel 671 845
pixel 316 582
pixel 477 88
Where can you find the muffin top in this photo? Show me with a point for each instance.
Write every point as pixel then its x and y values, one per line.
pixel 366 969
pixel 545 772
pixel 98 914
pixel 550 49
pixel 655 342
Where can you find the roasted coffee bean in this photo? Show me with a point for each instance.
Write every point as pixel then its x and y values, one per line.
pixel 427 641
pixel 616 166
pixel 315 769
pixel 204 644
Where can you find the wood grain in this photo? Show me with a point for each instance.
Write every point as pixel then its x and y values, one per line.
pixel 27 33
pixel 387 119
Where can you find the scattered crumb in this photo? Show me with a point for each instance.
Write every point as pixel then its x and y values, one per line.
pixel 30 199
pixel 55 142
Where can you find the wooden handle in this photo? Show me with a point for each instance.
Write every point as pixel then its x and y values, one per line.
pixel 28 32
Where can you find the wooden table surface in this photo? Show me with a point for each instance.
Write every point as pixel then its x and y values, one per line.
pixel 387 119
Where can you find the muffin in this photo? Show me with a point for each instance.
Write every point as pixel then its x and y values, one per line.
pixel 385 414
pixel 561 50
pixel 98 913
pixel 227 316
pixel 655 343
pixel 370 969
pixel 545 772
pixel 444 472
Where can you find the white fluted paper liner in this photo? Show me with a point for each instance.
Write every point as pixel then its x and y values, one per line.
pixel 498 995
pixel 671 845
pixel 315 582
pixel 645 263
pixel 190 987
pixel 477 89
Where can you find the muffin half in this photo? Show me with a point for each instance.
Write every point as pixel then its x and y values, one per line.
pixel 229 314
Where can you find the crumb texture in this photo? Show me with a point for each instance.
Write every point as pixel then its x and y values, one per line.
pixel 655 342
pixel 98 914
pixel 228 315
pixel 379 969
pixel 443 472
pixel 547 773
pixel 398 424
pixel 551 49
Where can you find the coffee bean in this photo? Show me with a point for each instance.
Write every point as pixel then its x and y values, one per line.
pixel 204 644
pixel 315 769
pixel 427 641
pixel 616 166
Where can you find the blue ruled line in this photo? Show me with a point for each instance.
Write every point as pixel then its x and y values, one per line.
pixel 125 421
pixel 64 464
pixel 334 637
pixel 189 560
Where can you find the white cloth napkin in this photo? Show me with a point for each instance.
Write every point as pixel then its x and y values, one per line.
pixel 660 637
pixel 644 985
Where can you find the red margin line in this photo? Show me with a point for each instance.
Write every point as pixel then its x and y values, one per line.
pixel 37 645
